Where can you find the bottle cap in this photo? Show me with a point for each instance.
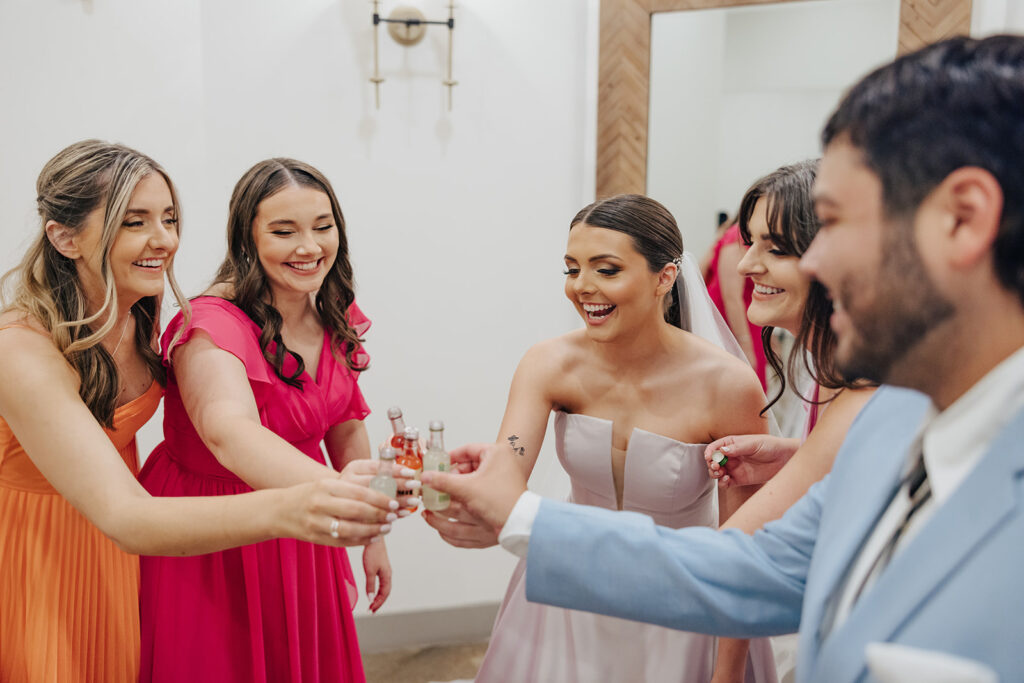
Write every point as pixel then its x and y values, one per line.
pixel 394 412
pixel 387 453
pixel 436 426
pixel 412 434
pixel 719 457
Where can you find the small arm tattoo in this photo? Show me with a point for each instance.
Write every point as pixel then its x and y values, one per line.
pixel 516 448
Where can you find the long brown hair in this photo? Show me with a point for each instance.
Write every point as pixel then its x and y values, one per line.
pixel 241 269
pixel 792 225
pixel 81 178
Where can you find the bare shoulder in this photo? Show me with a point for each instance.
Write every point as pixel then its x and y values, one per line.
pixel 556 355
pixel 29 361
pixel 223 290
pixel 720 368
pixel 846 403
pixel 734 394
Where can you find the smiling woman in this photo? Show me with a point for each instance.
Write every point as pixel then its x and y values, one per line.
pixel 265 370
pixel 636 393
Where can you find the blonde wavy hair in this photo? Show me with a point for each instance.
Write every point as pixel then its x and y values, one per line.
pixel 81 178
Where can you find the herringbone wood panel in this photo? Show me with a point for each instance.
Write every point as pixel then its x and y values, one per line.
pixel 624 73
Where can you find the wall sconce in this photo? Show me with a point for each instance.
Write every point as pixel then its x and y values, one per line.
pixel 407 26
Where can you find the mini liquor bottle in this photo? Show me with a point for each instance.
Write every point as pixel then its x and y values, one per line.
pixel 397 428
pixel 384 480
pixel 436 458
pixel 411 456
pixel 719 458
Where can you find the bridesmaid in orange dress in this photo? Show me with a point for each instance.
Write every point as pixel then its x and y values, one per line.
pixel 80 376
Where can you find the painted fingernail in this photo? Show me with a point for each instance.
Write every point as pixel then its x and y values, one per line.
pixel 384 528
pixel 408 473
pixel 726 449
pixel 404 513
pixel 391 516
pixel 452 519
pixel 413 484
pixel 412 501
pixel 393 504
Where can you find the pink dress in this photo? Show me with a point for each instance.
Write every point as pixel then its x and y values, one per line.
pixel 275 611
pixel 714 284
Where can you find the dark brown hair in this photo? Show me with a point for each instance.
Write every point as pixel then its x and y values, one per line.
pixel 241 268
pixel 792 225
pixel 654 233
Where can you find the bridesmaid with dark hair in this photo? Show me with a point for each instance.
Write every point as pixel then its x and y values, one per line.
pixel 266 369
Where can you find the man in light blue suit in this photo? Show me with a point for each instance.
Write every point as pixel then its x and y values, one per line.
pixel 916 538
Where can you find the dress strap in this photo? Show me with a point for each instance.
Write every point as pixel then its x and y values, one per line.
pixel 25 327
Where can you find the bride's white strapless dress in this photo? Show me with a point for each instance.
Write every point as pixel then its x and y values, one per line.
pixel 530 642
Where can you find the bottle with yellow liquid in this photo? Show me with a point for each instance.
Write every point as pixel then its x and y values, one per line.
pixel 436 459
pixel 384 480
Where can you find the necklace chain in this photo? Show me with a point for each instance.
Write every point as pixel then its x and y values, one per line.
pixel 121 339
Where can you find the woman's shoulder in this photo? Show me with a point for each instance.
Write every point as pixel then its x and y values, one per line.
pixel 20 331
pixel 557 354
pixel 24 361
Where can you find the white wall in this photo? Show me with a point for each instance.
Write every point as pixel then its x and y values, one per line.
pixel 737 92
pixel 457 221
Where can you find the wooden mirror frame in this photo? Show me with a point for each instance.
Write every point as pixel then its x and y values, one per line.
pixel 624 65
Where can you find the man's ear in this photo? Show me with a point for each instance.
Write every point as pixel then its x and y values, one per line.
pixel 63 239
pixel 974 200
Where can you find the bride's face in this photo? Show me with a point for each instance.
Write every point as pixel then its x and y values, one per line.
pixel 610 284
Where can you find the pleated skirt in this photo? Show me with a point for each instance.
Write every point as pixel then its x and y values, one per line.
pixel 70 609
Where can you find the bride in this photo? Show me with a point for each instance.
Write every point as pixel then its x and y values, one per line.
pixel 636 397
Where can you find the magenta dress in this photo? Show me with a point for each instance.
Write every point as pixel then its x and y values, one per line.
pixel 271 612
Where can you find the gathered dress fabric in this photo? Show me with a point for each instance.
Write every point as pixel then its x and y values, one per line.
pixel 271 612
pixel 663 478
pixel 69 611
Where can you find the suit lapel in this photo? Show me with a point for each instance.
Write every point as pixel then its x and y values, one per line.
pixel 984 501
pixel 861 485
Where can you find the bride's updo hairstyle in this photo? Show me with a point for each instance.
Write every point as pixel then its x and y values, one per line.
pixel 80 179
pixel 655 236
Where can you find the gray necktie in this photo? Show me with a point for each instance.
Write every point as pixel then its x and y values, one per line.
pixel 919 490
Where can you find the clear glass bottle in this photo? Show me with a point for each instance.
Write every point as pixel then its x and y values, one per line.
pixel 411 456
pixel 436 459
pixel 397 428
pixel 384 480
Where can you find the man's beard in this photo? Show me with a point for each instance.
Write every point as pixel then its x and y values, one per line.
pixel 906 306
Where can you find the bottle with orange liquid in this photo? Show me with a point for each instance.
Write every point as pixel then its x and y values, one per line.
pixel 411 456
pixel 397 428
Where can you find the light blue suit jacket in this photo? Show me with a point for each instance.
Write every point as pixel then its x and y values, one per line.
pixel 956 587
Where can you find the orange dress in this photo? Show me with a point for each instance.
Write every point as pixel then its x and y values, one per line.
pixel 69 598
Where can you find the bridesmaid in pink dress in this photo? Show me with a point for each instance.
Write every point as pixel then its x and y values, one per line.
pixel 265 371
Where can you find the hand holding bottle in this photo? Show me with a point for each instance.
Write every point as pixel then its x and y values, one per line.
pixel 750 458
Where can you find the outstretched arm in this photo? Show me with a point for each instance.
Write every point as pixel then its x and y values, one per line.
pixel 812 461
pixel 40 402
pixel 696 579
pixel 522 432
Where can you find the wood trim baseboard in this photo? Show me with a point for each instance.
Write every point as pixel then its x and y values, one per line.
pixel 403 630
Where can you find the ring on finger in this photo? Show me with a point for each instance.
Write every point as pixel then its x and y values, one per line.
pixel 335 523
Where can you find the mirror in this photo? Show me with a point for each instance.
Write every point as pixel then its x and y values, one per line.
pixel 624 72
pixel 737 92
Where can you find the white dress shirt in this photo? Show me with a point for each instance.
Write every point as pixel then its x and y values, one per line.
pixel 952 442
